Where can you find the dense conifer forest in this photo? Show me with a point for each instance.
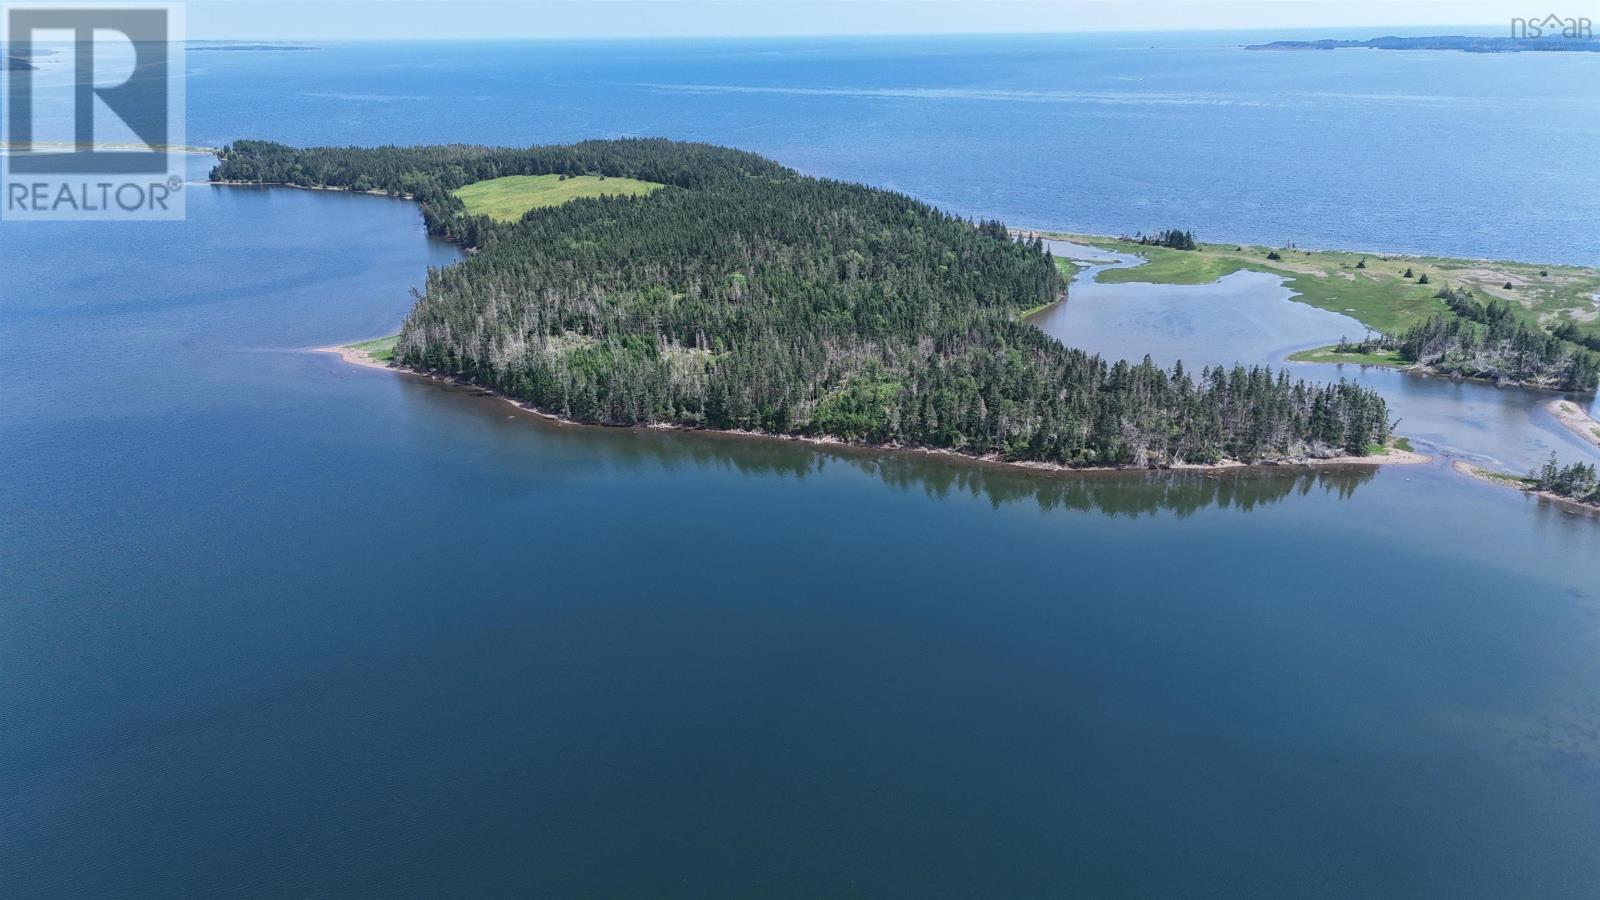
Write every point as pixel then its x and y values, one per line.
pixel 747 296
pixel 1488 341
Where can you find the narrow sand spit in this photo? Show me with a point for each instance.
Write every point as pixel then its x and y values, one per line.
pixel 1516 484
pixel 1576 420
pixel 1493 477
pixel 355 357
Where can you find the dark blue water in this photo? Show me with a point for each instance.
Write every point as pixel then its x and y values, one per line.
pixel 275 626
pixel 1449 153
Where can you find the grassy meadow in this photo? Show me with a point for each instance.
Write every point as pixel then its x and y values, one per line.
pixel 506 199
pixel 379 349
pixel 1330 355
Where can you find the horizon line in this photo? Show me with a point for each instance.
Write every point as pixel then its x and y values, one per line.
pixel 834 35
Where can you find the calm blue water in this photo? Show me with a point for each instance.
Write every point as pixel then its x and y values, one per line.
pixel 275 626
pixel 1454 153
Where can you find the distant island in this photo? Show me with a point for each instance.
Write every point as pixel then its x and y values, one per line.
pixel 648 282
pixel 1550 42
pixel 239 46
pixel 15 64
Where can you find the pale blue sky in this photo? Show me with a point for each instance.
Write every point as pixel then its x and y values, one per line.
pixel 389 19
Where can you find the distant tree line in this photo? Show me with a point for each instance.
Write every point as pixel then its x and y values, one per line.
pixel 747 296
pixel 1172 238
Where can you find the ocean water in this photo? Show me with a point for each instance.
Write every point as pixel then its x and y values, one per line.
pixel 1447 153
pixel 271 625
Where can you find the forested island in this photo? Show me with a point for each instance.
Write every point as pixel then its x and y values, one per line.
pixel 742 295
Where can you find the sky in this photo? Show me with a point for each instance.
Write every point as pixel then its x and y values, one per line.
pixel 310 20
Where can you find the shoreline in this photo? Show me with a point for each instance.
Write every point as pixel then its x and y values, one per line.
pixel 1501 479
pixel 1393 456
pixel 357 357
pixel 1575 419
pixel 1074 237
pixel 375 192
pixel 1421 256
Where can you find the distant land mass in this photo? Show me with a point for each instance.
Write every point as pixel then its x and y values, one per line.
pixel 246 47
pixel 18 65
pixel 1479 44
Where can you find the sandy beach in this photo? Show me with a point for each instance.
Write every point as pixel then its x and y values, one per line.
pixel 1576 420
pixel 376 192
pixel 355 356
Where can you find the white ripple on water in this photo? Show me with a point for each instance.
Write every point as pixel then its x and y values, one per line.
pixel 1120 98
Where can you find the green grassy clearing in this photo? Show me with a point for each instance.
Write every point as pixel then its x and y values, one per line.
pixel 1378 294
pixel 506 199
pixel 379 349
pixel 1167 266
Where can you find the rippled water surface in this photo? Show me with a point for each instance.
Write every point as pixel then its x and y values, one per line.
pixel 275 626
